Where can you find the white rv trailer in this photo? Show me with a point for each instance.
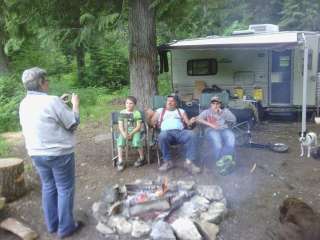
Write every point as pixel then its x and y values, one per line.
pixel 261 57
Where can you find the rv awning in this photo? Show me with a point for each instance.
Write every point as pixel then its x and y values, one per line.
pixel 268 40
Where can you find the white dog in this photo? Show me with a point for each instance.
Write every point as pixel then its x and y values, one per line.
pixel 309 140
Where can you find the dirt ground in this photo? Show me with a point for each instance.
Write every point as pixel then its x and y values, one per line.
pixel 253 197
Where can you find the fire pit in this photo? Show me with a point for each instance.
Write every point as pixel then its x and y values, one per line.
pixel 160 210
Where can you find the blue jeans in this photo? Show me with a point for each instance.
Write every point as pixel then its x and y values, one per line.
pixel 222 140
pixel 172 137
pixel 57 174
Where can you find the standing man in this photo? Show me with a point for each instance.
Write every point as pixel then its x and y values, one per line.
pixel 48 126
pixel 219 135
pixel 172 122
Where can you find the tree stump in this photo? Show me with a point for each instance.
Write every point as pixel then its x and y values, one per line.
pixel 12 184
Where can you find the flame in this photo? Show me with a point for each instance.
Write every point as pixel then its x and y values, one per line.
pixel 164 188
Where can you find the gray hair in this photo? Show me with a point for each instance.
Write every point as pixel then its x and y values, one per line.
pixel 33 77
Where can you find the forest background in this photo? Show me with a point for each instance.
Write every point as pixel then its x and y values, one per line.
pixel 83 44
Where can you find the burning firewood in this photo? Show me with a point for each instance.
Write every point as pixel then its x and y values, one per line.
pixel 156 205
pixel 164 188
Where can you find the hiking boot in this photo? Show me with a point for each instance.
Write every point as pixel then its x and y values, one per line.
pixel 191 167
pixel 140 162
pixel 78 226
pixel 120 166
pixel 166 166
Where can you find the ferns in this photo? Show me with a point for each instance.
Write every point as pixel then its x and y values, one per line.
pixel 108 65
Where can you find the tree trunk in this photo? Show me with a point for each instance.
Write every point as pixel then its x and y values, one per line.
pixel 142 51
pixel 12 184
pixel 80 64
pixel 4 61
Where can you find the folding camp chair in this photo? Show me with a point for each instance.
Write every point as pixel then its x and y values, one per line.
pixel 157 102
pixel 115 133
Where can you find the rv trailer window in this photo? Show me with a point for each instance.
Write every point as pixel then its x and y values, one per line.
pixel 284 61
pixel 196 67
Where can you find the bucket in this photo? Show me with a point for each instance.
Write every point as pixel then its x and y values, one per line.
pixel 238 92
pixel 258 93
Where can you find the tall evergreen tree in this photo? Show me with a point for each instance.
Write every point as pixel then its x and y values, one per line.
pixel 142 50
pixel 301 15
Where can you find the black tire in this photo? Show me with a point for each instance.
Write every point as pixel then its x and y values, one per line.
pixel 279 147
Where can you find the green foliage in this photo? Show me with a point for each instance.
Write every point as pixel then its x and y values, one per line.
pixel 4 148
pixel 95 102
pixel 301 15
pixel 164 84
pixel 11 94
pixel 108 65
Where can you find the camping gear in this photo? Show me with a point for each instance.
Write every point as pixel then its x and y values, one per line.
pixel 243 135
pixel 258 94
pixel 238 92
pixel 275 147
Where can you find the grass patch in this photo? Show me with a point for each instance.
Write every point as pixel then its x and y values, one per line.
pixel 96 103
pixel 4 147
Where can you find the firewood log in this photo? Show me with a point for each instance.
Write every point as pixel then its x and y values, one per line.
pixel 12 184
pixel 19 229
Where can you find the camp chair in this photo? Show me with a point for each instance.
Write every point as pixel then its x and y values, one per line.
pixel 242 132
pixel 157 102
pixel 115 133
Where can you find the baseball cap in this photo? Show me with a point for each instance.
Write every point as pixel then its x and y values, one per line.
pixel 215 99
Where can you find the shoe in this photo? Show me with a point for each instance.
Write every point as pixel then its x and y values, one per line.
pixel 191 167
pixel 166 166
pixel 120 166
pixel 226 165
pixel 140 162
pixel 77 227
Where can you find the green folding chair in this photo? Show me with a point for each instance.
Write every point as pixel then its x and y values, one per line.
pixel 115 133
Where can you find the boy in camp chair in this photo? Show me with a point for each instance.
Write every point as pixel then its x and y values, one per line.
pixel 129 122
pixel 219 135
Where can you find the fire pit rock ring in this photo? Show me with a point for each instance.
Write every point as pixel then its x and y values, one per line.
pixel 160 209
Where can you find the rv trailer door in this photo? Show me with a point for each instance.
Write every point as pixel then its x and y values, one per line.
pixel 280 79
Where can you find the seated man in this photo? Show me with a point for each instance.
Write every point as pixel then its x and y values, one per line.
pixel 172 122
pixel 218 133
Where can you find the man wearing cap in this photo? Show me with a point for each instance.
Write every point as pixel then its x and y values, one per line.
pixel 216 121
pixel 172 122
pixel 48 126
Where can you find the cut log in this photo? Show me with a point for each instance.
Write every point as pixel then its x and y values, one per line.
pixel 12 184
pixel 16 227
pixel 155 205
